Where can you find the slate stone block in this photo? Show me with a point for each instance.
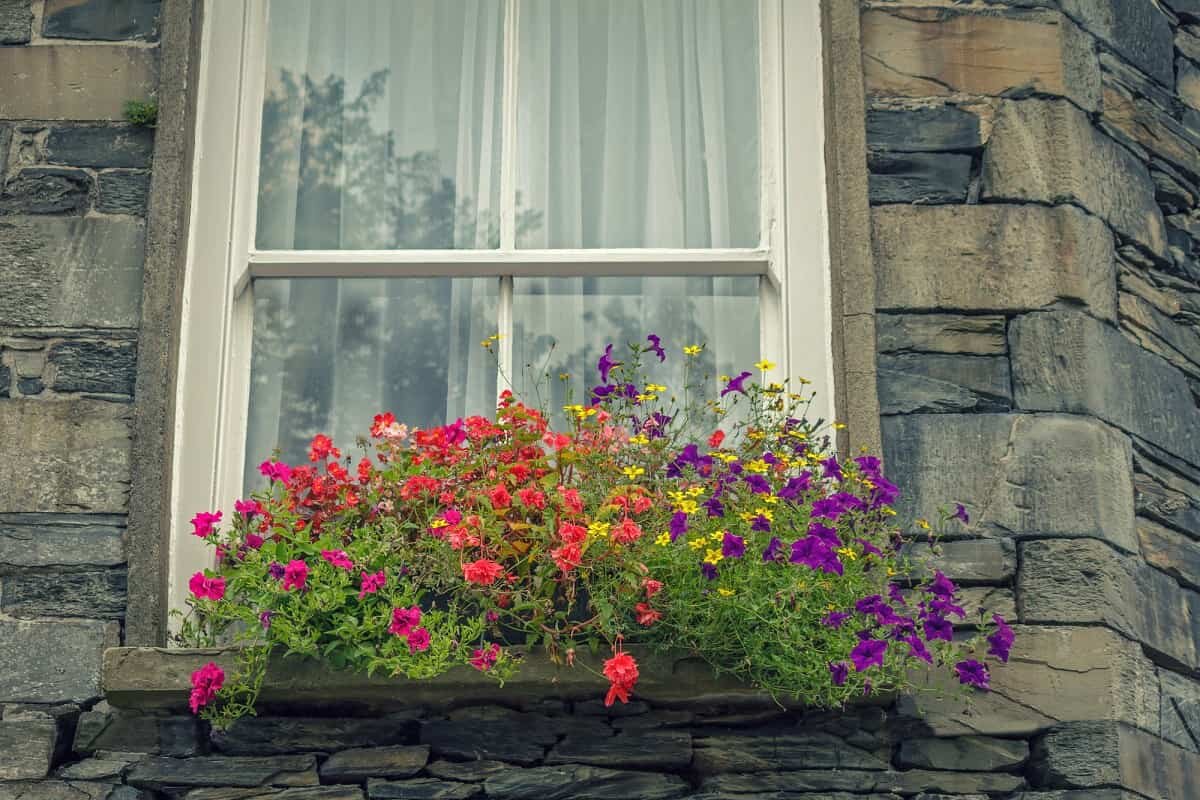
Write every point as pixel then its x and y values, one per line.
pixel 422 789
pixel 574 782
pixel 100 146
pixel 1086 754
pixel 963 753
pixel 74 82
pixel 95 594
pixel 58 540
pixel 751 751
pixel 123 731
pixel 16 21
pixel 261 736
pixel 921 178
pixel 30 387
pixel 969 561
pixel 123 192
pixel 922 130
pixel 658 750
pixel 982 335
pixel 46 190
pixel 358 764
pixel 1171 552
pixel 516 738
pixel 159 773
pixel 83 366
pixel 1137 30
pixel 27 749
pixel 53 662
pixel 911 383
pixel 104 20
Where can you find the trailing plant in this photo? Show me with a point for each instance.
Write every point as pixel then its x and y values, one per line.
pixel 728 528
pixel 142 112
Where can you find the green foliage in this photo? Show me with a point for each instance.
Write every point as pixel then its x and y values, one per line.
pixel 142 112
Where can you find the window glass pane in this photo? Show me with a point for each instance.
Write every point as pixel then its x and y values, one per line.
pixel 561 325
pixel 638 123
pixel 381 125
pixel 330 354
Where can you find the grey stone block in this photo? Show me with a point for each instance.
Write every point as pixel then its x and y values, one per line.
pixel 1048 151
pixel 16 21
pixel 105 20
pixel 100 146
pixel 30 387
pixel 74 82
pixel 75 456
pixel 71 273
pixel 109 768
pixel 1164 494
pixel 69 790
pixel 97 595
pixel 27 749
pixel 919 130
pixel 46 190
pixel 992 258
pixel 277 793
pixel 954 783
pixel 1018 475
pixel 749 751
pixel 1085 581
pixel 923 178
pixel 83 366
pixel 982 335
pixel 53 662
pixel 60 540
pixel 5 381
pixel 159 773
pixel 519 739
pixel 1086 754
pixel 1171 552
pixel 574 782
pixel 358 764
pixel 911 383
pixel 123 192
pixel 1137 30
pixel 1067 361
pixel 422 789
pixel 658 750
pixel 1179 709
pixel 963 753
pixel 123 731
pixel 265 735
pixel 969 560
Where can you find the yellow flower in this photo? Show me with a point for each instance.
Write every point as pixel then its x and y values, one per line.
pixel 891 572
pixel 847 553
pixel 688 506
pixel 695 491
pixel 655 388
pixel 693 350
pixel 725 592
pixel 772 499
pixel 575 409
pixel 757 465
pixel 726 457
pixel 839 426
pixel 713 555
pixel 756 435
pixel 764 365
pixel 774 387
pixel 564 376
pixel 646 398
pixel 717 537
pixel 696 544
pixel 438 523
pixel 923 524
pixel 590 411
pixel 676 497
pixel 724 379
pixel 639 439
pixel 765 512
pixel 633 472
pixel 663 539
pixel 598 529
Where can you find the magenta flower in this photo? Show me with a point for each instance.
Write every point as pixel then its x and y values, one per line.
pixel 735 384
pixel 372 582
pixel 868 653
pixel 247 508
pixel 1001 641
pixel 203 523
pixel 275 470
pixel 206 682
pixel 295 575
pixel 452 516
pixel 338 558
pixel 484 659
pixel 973 673
pixel 733 546
pixel 205 588
pixel 418 640
pixel 656 347
pixel 839 671
pixel 254 541
pixel 264 619
pixel 404 620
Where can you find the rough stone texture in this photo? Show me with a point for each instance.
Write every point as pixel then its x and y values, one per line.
pixel 60 540
pixel 922 178
pixel 26 749
pixel 110 20
pixel 46 190
pixel 123 192
pixel 16 21
pixel 970 560
pixel 1054 674
pixel 663 750
pixel 991 258
pixel 927 383
pixel 982 335
pixel 1159 325
pixel 1173 553
pixel 358 764
pixel 1083 754
pixel 253 736
pixel 1163 493
pixel 1067 361
pixel 93 367
pixel 68 790
pixel 1141 115
pixel 1085 581
pixel 966 753
pixel 47 283
pixel 908 783
pixel 741 753
pixel 516 739
pixel 177 736
pixel 1047 151
pixel 99 595
pixel 1179 710
pixel 570 782
pixel 422 789
pixel 1136 29
pixel 74 82
pixel 931 52
pixel 53 662
pixel 1012 472
pixel 110 768
pixel 939 129
pixel 75 456
pixel 162 773
pixel 100 146
pixel 1187 82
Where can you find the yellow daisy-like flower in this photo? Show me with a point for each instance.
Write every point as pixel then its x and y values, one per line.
pixel 891 572
pixel 757 465
pixel 771 499
pixel 639 439
pixel 655 388
pixel 598 529
pixel 764 365
pixel 765 512
pixel 587 412
pixel 633 472
pixel 725 592
pixel 891 512
pixel 756 435
pixel 438 523
pixel 717 536
pixel 573 409
pixel 646 398
pixel 663 539
pixel 696 544
pixel 923 524
pixel 773 388
pixel 713 555
pixel 726 457
pixel 564 376
pixel 695 491
pixel 847 553
pixel 688 506
pixel 723 378
pixel 676 497
pixel 693 350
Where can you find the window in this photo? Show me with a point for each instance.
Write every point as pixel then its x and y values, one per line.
pixel 382 184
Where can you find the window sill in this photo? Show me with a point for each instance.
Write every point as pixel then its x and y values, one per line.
pixel 147 678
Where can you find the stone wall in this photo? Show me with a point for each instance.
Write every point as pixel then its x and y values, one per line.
pixel 74 178
pixel 1035 174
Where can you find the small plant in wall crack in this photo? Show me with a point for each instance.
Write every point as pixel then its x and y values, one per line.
pixel 724 527
pixel 142 112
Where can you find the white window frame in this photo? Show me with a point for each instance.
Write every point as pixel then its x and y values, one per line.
pixel 212 391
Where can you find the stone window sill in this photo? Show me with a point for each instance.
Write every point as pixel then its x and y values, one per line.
pixel 160 678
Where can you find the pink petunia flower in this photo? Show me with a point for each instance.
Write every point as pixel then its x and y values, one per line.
pixel 418 640
pixel 338 558
pixel 206 682
pixel 404 620
pixel 295 575
pixel 372 582
pixel 275 470
pixel 203 523
pixel 205 588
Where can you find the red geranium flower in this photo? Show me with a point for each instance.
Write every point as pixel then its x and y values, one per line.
pixel 483 572
pixel 500 497
pixel 646 615
pixel 626 531
pixel 622 673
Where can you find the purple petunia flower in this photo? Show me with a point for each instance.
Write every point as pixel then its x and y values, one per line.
pixel 917 649
pixel 884 493
pixel 938 628
pixel 868 465
pixel 771 552
pixel 945 607
pixel 708 570
pixel 760 523
pixel 733 546
pixel 941 586
pixel 792 489
pixel 656 347
pixel 839 671
pixel 275 570
pixel 868 605
pixel 824 533
pixel 835 619
pixel 973 673
pixel 896 595
pixel 714 507
pixel 758 484
pixel 264 619
pixel 606 363
pixel 960 512
pixel 678 525
pixel 735 384
pixel 832 469
pixel 601 392
pixel 1001 641
pixel 869 548
pixel 868 653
